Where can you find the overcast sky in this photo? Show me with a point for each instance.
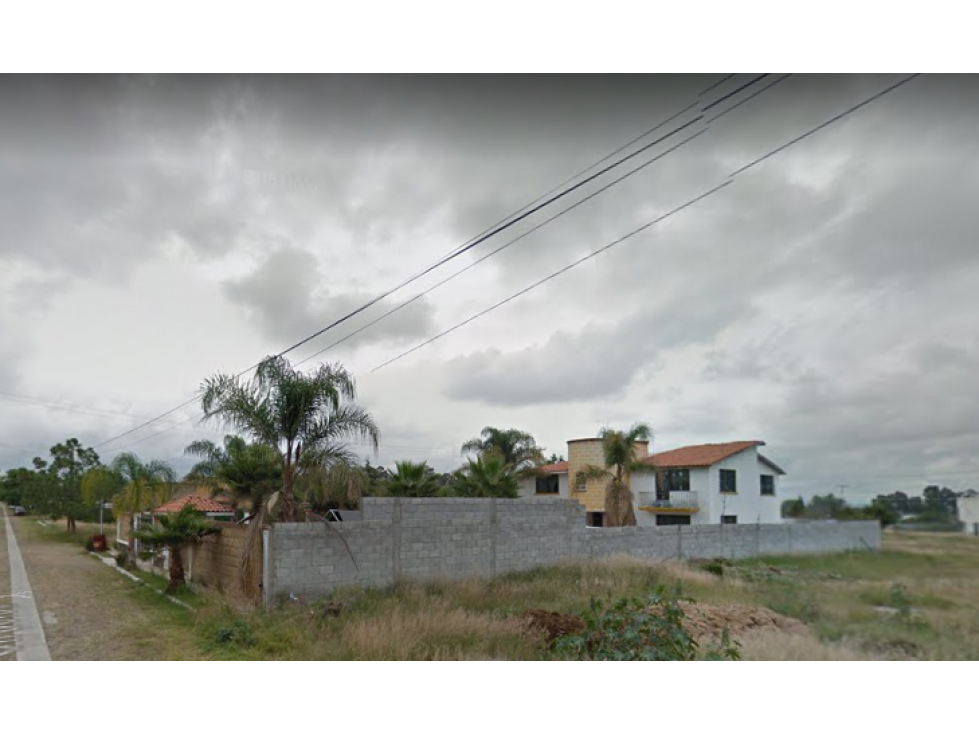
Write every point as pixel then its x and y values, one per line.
pixel 154 231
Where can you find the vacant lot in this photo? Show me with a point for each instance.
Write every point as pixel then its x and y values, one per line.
pixel 915 599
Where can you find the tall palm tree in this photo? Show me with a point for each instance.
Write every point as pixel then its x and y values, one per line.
pixel 619 453
pixel 144 485
pixel 304 417
pixel 173 531
pixel 413 480
pixel 517 448
pixel 487 476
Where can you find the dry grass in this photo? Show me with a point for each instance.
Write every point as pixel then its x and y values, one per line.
pixel 930 582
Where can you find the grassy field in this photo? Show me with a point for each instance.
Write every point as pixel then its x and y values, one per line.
pixel 915 599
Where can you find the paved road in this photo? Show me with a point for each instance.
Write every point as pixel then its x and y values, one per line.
pixel 8 651
pixel 20 624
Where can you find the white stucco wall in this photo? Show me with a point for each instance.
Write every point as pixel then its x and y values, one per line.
pixel 528 487
pixel 969 514
pixel 748 503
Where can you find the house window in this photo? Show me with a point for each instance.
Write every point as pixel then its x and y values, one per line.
pixel 767 484
pixel 595 519
pixel 672 520
pixel 729 481
pixel 676 480
pixel 729 519
pixel 547 485
pixel 582 486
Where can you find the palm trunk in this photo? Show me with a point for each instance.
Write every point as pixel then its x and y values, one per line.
pixel 176 570
pixel 131 550
pixel 253 539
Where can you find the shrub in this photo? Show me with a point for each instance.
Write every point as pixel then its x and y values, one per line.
pixel 637 629
pixel 236 632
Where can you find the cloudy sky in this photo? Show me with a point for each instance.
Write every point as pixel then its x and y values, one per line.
pixel 154 231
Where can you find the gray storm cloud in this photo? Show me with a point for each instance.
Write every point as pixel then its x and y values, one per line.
pixel 824 302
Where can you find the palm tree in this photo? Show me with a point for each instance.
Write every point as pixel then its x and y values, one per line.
pixel 413 480
pixel 619 452
pixel 249 473
pixel 173 531
pixel 487 476
pixel 143 487
pixel 518 448
pixel 304 417
pixel 338 484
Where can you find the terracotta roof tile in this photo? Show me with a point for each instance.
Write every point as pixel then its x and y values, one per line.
pixel 203 504
pixel 701 455
pixel 557 468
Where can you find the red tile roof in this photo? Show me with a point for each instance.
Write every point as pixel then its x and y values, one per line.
pixel 199 503
pixel 702 455
pixel 557 468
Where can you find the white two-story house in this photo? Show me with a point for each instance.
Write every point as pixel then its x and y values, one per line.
pixel 693 485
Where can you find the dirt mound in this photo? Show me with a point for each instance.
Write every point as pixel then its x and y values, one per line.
pixel 707 621
pixel 551 624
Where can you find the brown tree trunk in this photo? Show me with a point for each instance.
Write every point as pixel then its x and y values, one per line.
pixel 176 570
pixel 131 548
pixel 619 511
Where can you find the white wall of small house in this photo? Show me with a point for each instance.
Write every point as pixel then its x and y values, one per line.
pixel 747 503
pixel 968 508
pixel 528 487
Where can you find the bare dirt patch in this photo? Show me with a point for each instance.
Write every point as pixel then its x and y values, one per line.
pixel 708 621
pixel 551 624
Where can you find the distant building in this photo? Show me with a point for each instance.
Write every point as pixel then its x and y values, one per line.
pixel 707 484
pixel 968 508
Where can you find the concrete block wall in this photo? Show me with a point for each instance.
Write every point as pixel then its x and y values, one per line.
pixel 401 539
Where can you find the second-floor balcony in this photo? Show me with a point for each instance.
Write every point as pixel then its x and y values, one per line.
pixel 672 502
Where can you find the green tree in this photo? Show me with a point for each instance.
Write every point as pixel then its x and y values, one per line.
pixel 57 485
pixel 517 448
pixel 338 485
pixel 413 480
pixel 144 485
pixel 173 531
pixel 16 486
pixel 99 485
pixel 621 462
pixel 488 476
pixel 248 473
pixel 794 508
pixel 305 418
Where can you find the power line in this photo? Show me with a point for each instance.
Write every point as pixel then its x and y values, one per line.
pixel 533 229
pixel 502 247
pixel 747 99
pixel 557 273
pixel 828 122
pixel 646 226
pixel 504 224
pixel 95 412
pixel 735 91
pixel 718 83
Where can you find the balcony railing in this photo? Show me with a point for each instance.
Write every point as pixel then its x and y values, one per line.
pixel 676 502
